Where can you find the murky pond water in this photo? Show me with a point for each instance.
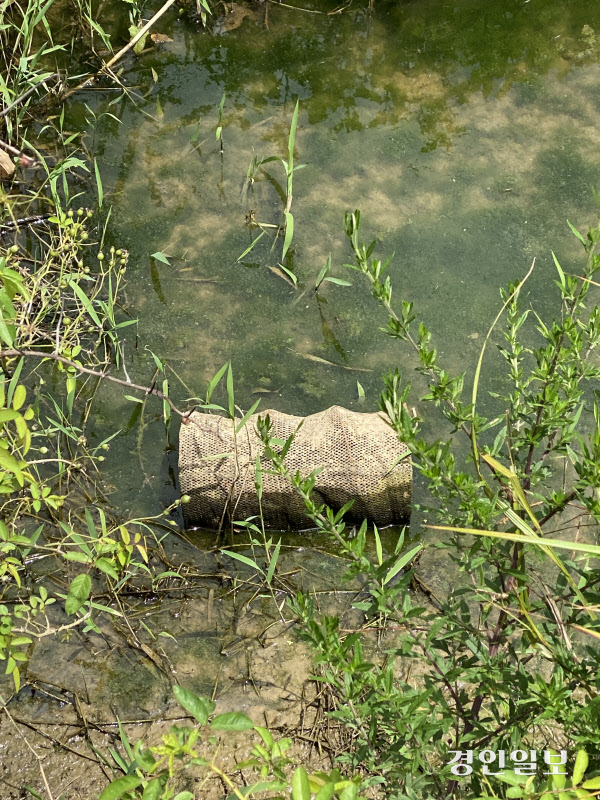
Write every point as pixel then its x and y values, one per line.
pixel 466 132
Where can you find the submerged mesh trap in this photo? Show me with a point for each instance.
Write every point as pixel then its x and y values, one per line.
pixel 359 456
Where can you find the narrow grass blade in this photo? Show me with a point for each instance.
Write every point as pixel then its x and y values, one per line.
pixel 87 303
pixel 248 249
pixel 378 546
pixel 401 563
pixel 243 559
pixel 480 363
pixel 273 562
pixel 515 485
pixel 98 184
pixel 323 273
pixel 230 392
pixel 289 233
pixel 246 416
pixel 559 544
pixel 214 381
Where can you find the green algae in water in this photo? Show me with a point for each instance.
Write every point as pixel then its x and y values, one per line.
pixel 465 133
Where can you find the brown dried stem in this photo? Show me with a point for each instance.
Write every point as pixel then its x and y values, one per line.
pixel 15 353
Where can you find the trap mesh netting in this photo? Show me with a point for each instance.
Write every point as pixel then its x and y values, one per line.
pixel 359 456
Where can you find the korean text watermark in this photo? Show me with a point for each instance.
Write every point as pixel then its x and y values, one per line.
pixel 521 762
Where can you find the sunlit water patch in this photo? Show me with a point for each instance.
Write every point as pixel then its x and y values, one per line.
pixel 466 136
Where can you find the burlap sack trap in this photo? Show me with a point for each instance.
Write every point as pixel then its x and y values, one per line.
pixel 357 453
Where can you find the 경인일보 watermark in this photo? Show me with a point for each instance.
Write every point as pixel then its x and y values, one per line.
pixel 494 763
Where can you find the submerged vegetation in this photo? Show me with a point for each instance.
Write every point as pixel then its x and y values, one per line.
pixel 506 660
pixel 499 656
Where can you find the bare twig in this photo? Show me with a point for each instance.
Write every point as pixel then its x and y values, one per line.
pixel 127 378
pixel 14 353
pixel 9 148
pixel 55 741
pixel 50 631
pixel 26 94
pixel 296 8
pixel 7 227
pixel 16 152
pixel 142 32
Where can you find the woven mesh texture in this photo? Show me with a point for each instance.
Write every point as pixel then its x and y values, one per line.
pixel 357 454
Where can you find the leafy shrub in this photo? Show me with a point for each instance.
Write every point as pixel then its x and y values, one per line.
pixel 153 772
pixel 508 659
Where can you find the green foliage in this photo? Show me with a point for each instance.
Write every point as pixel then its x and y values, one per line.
pixel 154 771
pixel 27 41
pixel 287 225
pixel 199 707
pixel 555 785
pixel 79 591
pixel 539 429
pixel 507 654
pixel 203 9
pixel 65 309
pixel 12 284
pixel 499 650
pixel 325 276
pixel 219 128
pixel 289 174
pixel 252 172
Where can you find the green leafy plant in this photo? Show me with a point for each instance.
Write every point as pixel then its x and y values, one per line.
pixel 289 174
pixel 253 171
pixel 325 276
pixel 287 225
pixel 203 9
pixel 26 40
pixel 153 771
pixel 556 785
pixel 219 128
pixel 481 641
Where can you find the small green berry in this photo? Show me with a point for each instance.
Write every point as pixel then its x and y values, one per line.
pixel 119 253
pixel 186 499
pixel 100 256
pixel 13 249
pixel 84 237
pixel 89 215
pixel 43 450
pixel 100 458
pixel 105 446
pixel 70 213
pixel 80 212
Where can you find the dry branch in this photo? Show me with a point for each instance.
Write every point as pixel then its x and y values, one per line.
pixel 142 32
pixel 14 353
